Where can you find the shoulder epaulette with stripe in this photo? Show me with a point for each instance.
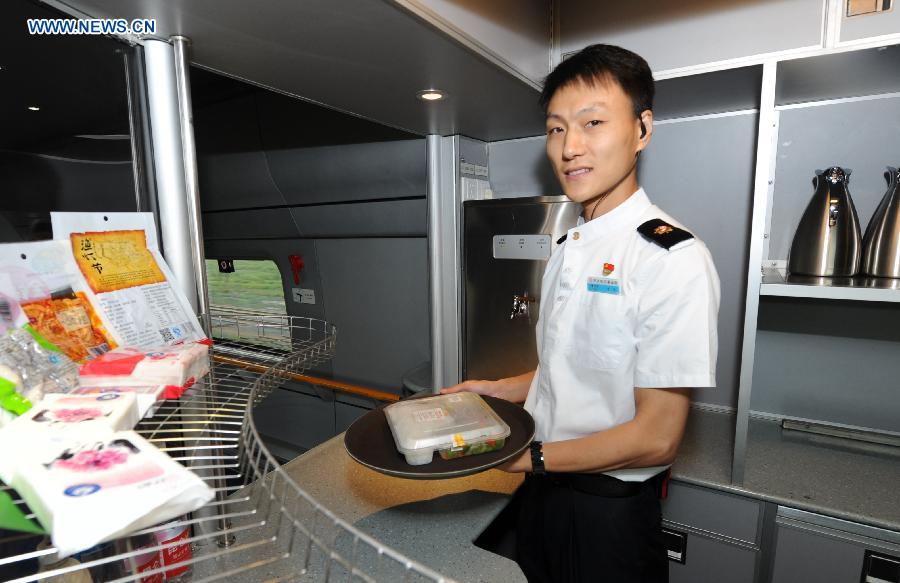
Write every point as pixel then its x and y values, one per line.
pixel 663 234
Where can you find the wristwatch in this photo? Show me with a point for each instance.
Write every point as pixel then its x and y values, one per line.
pixel 537 458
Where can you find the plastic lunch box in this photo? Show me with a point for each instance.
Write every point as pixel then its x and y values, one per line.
pixel 455 425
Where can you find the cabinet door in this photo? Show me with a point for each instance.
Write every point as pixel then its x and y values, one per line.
pixel 805 552
pixel 712 561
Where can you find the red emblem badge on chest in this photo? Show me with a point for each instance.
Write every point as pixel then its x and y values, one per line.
pixel 608 268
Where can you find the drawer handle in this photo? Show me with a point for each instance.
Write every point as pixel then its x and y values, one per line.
pixel 880 568
pixel 676 545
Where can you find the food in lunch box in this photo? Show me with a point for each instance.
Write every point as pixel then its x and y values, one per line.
pixel 455 425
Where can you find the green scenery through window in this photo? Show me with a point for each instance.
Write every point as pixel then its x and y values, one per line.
pixel 254 285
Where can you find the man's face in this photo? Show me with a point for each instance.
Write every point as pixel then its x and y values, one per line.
pixel 593 138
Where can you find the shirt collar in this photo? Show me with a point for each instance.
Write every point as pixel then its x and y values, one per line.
pixel 622 216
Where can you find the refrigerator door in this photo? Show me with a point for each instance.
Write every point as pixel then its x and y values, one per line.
pixel 502 289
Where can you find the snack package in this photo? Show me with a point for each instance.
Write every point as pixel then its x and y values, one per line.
pixel 59 418
pixel 126 279
pixel 43 278
pixel 177 367
pixel 97 487
pixel 148 397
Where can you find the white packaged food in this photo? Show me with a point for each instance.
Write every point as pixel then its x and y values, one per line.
pixel 59 418
pixel 454 425
pixel 149 397
pixel 177 367
pixel 92 489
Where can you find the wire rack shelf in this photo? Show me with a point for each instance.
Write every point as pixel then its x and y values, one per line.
pixel 261 526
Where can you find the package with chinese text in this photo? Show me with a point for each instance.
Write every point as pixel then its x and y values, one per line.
pixel 127 279
pixel 43 278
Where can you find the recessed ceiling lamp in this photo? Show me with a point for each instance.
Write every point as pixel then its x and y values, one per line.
pixel 431 95
pixel 33 108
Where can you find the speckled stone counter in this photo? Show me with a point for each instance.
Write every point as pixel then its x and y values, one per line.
pixel 434 522
pixel 431 521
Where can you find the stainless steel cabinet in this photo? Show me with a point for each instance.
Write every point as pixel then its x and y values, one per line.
pixel 811 547
pixel 712 536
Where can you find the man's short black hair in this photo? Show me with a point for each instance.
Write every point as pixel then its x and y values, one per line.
pixel 602 63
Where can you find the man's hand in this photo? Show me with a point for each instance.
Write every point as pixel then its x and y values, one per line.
pixel 481 387
pixel 513 389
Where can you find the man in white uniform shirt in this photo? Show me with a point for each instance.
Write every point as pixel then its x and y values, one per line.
pixel 628 315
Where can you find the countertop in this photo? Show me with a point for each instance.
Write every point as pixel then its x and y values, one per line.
pixel 434 522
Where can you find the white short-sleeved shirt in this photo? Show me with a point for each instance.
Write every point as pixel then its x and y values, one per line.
pixel 618 311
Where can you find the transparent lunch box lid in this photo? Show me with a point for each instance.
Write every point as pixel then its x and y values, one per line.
pixel 422 426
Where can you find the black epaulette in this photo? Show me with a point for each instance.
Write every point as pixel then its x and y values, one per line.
pixel 562 239
pixel 663 234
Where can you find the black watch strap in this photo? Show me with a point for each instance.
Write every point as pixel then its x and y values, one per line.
pixel 537 458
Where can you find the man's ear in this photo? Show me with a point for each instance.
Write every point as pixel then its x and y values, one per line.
pixel 646 125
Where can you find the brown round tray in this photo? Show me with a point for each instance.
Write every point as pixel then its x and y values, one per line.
pixel 369 442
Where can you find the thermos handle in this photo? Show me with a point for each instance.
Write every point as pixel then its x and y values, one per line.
pixel 891 176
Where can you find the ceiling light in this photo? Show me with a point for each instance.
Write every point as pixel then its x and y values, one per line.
pixel 34 108
pixel 431 95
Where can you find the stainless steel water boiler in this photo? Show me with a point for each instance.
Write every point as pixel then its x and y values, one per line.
pixel 881 245
pixel 827 242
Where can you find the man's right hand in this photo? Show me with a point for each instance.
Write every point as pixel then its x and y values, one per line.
pixel 514 389
pixel 488 388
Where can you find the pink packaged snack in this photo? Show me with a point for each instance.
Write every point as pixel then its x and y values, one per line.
pixel 94 488
pixel 56 419
pixel 176 367
pixel 148 397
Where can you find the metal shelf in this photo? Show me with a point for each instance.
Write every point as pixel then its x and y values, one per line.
pixel 262 526
pixel 867 289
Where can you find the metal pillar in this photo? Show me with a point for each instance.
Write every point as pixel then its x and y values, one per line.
pixel 192 188
pixel 168 164
pixel 444 212
pixel 175 164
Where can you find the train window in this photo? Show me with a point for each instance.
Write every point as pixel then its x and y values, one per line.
pixel 254 286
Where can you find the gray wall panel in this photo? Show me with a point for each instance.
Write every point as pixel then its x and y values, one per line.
pixel 384 219
pixel 863 136
pixel 520 168
pixel 232 168
pixel 255 224
pixel 691 32
pixel 377 295
pixel 714 201
pixel 350 172
pixel 828 360
pixel 473 151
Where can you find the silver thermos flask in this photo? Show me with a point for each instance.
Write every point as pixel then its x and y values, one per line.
pixel 881 245
pixel 827 242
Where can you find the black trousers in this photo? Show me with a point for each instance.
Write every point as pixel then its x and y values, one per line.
pixel 567 533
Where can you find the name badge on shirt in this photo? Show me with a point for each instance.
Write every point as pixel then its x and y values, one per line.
pixel 604 285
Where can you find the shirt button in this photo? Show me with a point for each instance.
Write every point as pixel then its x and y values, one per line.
pixel 576 235
pixel 559 298
pixel 567 270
